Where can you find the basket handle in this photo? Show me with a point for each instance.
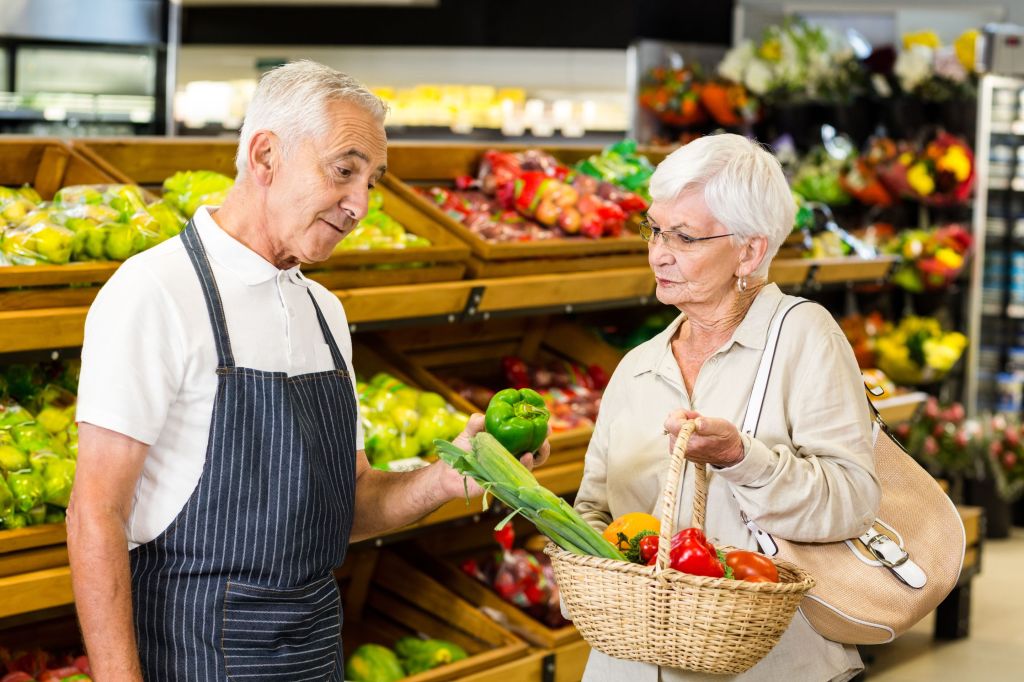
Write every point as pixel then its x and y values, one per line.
pixel 670 501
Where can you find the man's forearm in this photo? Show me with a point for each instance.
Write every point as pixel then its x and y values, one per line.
pixel 103 594
pixel 387 500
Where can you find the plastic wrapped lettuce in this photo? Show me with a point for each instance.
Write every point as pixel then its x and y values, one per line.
pixel 27 488
pixel 6 498
pixel 43 241
pixel 13 414
pixel 188 190
pixel 58 477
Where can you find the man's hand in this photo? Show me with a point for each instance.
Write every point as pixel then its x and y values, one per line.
pixel 714 441
pixel 453 483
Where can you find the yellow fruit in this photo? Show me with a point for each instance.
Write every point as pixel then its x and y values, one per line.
pixel 629 525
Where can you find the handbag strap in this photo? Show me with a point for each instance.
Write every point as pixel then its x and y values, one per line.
pixel 764 370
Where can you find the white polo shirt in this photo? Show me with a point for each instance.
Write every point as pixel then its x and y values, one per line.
pixel 149 360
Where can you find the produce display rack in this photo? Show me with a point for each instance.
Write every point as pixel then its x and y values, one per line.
pixel 44 308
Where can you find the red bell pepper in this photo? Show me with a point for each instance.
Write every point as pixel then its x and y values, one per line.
pixel 692 553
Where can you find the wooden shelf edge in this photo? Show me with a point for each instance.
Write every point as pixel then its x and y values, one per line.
pixel 34 591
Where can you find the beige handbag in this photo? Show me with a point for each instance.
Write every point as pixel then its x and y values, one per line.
pixel 871 589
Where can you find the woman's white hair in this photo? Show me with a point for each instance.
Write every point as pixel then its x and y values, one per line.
pixel 291 101
pixel 743 185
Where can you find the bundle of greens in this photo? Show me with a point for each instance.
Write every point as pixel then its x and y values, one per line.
pixel 503 476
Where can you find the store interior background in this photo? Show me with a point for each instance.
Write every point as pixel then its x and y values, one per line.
pixel 120 68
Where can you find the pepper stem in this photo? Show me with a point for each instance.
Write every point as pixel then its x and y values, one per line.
pixel 528 411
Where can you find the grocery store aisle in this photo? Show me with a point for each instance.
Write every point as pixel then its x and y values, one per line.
pixel 995 649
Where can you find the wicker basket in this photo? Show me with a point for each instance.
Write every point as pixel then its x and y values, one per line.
pixel 655 614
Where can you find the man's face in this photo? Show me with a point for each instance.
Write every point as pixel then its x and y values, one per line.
pixel 320 192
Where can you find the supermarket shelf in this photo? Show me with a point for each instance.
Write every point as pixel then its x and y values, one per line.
pixel 1013 128
pixel 1017 185
pixel 59 322
pixel 900 408
pixel 35 590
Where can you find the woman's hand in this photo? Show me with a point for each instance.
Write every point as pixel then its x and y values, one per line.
pixel 714 441
pixel 451 481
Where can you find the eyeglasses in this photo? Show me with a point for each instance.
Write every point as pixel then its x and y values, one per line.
pixel 677 241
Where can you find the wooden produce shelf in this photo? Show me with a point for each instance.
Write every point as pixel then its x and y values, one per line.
pixel 474 353
pixel 386 598
pixel 149 161
pixel 441 164
pixel 40 329
pixel 35 590
pixel 900 408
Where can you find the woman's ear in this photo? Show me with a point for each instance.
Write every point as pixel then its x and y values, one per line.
pixel 751 256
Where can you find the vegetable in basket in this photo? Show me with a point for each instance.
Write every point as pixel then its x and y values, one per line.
pixel 420 655
pixel 692 553
pixel 624 530
pixel 373 663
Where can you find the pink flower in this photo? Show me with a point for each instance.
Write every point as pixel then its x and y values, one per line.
pixel 931 408
pixel 999 422
pixel 1009 459
pixel 961 438
pixel 939 431
pixel 902 431
pixel 956 412
pixel 931 447
pixel 996 448
pixel 1012 436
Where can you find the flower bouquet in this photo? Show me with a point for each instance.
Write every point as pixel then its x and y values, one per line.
pixel 917 350
pixel 1004 452
pixel 730 103
pixel 931 259
pixel 941 439
pixel 932 72
pixel 941 174
pixel 674 96
pixel 860 176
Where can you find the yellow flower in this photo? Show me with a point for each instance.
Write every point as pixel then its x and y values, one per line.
pixel 920 179
pixel 771 50
pixel 926 38
pixel 940 355
pixel 956 161
pixel 965 46
pixel 950 258
pixel 906 158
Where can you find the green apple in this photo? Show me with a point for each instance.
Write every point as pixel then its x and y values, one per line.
pixel 96 242
pixel 171 222
pixel 405 446
pixel 39 459
pixel 29 192
pixel 433 425
pixel 15 211
pixel 407 396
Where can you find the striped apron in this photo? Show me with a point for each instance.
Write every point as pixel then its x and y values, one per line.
pixel 240 585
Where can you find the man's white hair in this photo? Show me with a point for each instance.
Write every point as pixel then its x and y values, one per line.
pixel 291 101
pixel 743 187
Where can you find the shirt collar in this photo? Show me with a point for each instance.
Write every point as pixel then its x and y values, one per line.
pixel 752 331
pixel 247 265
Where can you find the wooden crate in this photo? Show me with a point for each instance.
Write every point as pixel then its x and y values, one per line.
pixel 149 161
pixel 33 549
pixel 386 598
pixel 440 164
pixel 568 651
pixel 49 164
pixel 474 351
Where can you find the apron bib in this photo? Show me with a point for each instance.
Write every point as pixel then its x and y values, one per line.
pixel 240 586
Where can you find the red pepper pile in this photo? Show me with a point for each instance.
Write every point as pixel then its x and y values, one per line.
pixel 526 194
pixel 38 665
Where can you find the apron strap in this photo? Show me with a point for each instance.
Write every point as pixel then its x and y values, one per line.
pixel 339 360
pixel 214 304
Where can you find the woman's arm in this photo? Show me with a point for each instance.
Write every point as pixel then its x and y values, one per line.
pixel 824 488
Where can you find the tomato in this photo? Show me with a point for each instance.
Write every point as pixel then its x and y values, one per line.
pixel 752 566
pixel 649 549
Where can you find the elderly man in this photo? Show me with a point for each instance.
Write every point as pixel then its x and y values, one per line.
pixel 221 471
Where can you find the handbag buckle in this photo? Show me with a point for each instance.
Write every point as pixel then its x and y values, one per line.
pixel 887 552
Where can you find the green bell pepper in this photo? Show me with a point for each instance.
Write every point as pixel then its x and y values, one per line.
pixel 518 419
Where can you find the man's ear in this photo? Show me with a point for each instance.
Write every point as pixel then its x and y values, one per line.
pixel 752 256
pixel 264 148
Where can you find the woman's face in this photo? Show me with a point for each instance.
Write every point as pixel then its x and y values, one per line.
pixel 701 272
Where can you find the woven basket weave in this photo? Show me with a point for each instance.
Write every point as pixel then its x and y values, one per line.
pixel 654 614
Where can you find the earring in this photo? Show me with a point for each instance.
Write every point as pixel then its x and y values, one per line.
pixel 741 284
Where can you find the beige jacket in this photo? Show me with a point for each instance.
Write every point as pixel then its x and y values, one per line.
pixel 807 476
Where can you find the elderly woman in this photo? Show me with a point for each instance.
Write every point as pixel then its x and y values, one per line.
pixel 721 208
